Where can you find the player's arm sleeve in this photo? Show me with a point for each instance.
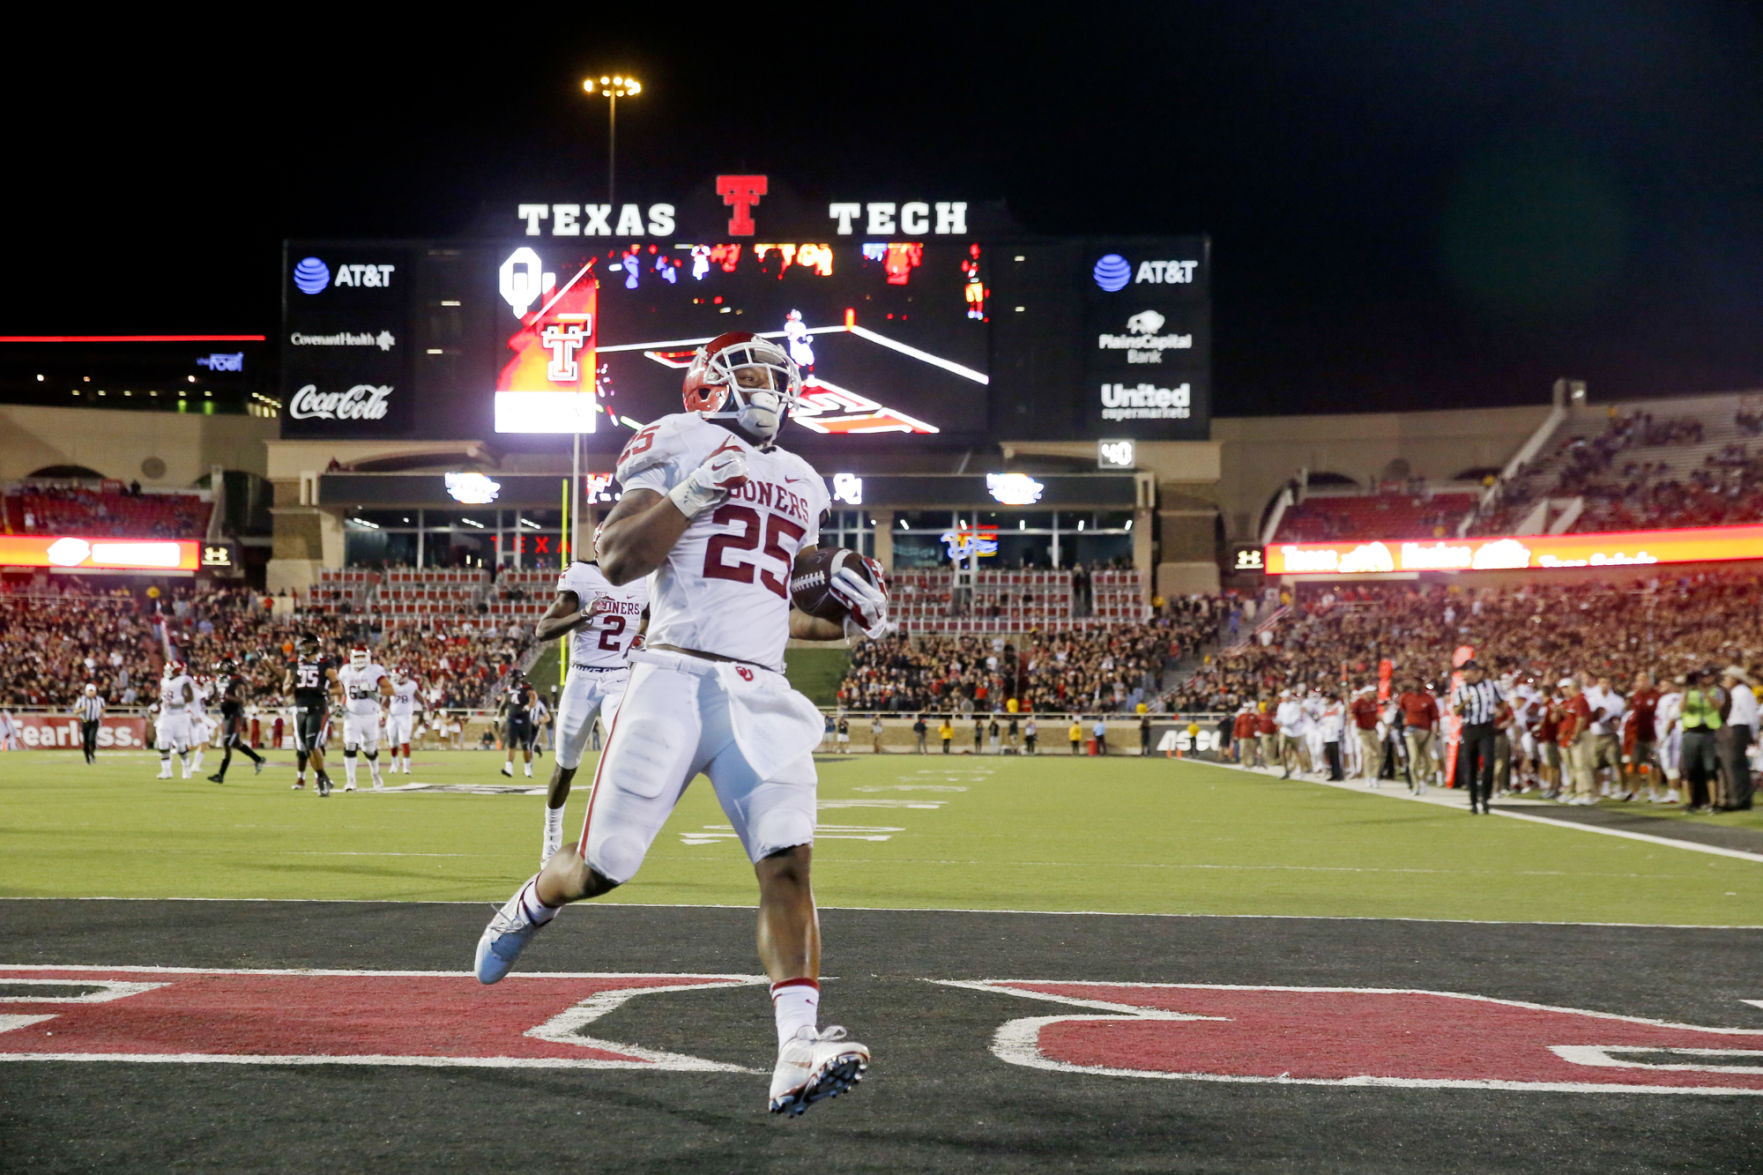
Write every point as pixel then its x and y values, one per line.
pixel 651 465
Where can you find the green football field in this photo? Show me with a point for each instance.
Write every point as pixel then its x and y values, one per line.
pixel 900 831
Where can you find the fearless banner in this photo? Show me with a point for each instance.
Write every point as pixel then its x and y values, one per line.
pixel 44 732
pixel 1635 548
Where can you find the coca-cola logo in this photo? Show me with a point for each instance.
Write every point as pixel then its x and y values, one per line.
pixel 361 402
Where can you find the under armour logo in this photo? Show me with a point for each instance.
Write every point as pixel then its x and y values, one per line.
pixel 746 673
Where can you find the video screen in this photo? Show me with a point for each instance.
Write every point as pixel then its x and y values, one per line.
pixel 891 337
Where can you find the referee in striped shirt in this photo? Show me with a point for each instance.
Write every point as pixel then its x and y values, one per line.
pixel 1475 701
pixel 89 708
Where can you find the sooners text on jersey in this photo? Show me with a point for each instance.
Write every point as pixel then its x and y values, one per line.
pixel 724 587
pixel 606 644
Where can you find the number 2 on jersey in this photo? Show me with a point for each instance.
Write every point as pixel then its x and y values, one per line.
pixel 775 532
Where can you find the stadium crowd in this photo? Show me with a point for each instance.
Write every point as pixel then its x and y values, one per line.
pixel 1625 489
pixel 1100 669
pixel 81 509
pixel 1307 694
pixel 1338 634
pixel 52 642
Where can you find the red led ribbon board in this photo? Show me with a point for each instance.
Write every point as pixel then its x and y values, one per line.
pixel 1542 552
pixel 99 554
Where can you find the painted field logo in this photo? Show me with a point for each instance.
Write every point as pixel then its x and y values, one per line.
pixel 435 1019
pixel 1370 1037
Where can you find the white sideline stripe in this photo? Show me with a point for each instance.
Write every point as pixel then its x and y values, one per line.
pixel 1357 787
pixel 489 905
pixel 712 979
pixel 388 1061
pixel 1017 1042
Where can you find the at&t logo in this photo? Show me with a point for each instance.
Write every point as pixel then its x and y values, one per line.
pixel 312 276
pixel 1114 273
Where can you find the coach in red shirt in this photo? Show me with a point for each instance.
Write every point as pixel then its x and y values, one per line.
pixel 1364 711
pixel 1420 719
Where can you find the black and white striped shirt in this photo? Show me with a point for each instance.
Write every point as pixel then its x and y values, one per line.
pixel 1478 701
pixel 89 709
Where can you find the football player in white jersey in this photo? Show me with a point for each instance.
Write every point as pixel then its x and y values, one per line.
pixel 365 685
pixel 604 623
pixel 715 514
pixel 401 710
pixel 172 731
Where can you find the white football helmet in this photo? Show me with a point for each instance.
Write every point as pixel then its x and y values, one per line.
pixel 741 377
pixel 358 658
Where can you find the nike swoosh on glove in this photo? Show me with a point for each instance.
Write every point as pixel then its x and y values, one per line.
pixel 710 483
pixel 867 601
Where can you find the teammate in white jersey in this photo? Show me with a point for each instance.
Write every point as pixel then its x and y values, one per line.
pixel 604 623
pixel 177 692
pixel 716 514
pixel 401 708
pixel 365 685
pixel 1668 736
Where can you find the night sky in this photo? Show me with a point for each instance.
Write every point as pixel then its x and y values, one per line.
pixel 1411 204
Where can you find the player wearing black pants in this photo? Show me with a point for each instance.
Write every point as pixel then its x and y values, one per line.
pixel 1477 700
pixel 310 677
pixel 90 708
pixel 232 722
pixel 519 730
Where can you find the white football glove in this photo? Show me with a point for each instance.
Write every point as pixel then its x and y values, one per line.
pixel 868 602
pixel 710 483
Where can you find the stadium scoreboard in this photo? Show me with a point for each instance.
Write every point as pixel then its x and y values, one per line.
pixel 913 322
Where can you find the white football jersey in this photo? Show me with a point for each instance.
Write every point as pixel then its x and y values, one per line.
pixel 199 704
pixel 1668 711
pixel 404 699
pixel 606 644
pixel 171 693
pixel 724 588
pixel 362 688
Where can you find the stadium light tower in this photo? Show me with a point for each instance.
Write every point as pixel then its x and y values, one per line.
pixel 612 87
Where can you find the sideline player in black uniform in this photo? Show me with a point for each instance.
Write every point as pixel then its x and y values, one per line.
pixel 231 691
pixel 519 729
pixel 310 676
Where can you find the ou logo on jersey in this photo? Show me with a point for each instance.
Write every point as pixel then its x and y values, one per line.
pixel 746 673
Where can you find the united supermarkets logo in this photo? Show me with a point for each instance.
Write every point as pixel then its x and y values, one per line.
pixel 1146 402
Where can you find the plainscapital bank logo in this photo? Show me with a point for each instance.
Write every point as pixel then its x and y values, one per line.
pixel 1142 342
pixel 361 402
